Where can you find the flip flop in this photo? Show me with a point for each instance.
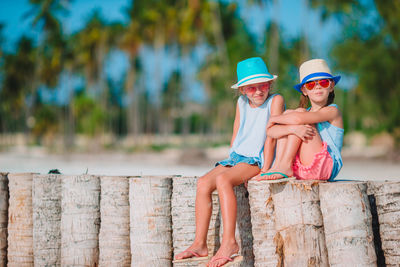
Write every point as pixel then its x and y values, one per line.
pixel 233 259
pixel 278 180
pixel 194 257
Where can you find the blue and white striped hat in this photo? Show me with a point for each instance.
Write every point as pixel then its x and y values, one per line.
pixel 252 70
pixel 314 69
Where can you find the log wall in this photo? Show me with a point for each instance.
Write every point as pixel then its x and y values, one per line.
pixel 86 220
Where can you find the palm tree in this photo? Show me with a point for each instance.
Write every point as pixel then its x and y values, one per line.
pixel 90 47
pixel 19 71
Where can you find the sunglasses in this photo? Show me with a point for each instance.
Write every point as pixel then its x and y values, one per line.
pixel 263 88
pixel 324 83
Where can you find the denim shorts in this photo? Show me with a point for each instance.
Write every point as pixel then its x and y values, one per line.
pixel 235 159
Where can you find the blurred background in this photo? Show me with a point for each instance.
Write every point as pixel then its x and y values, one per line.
pixel 97 82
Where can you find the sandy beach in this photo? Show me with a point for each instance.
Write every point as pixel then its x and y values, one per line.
pixel 168 162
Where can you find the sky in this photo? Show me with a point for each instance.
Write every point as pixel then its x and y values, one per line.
pixel 293 17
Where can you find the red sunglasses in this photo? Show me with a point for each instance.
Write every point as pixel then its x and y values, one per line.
pixel 263 88
pixel 324 83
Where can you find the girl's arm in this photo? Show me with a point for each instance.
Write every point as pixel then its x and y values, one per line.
pixel 329 113
pixel 304 132
pixel 236 124
pixel 277 107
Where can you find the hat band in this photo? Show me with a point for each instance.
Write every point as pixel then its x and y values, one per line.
pixel 254 77
pixel 316 74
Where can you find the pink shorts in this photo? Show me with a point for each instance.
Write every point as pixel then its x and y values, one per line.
pixel 319 169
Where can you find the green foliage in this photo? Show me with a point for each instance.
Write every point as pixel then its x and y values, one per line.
pixel 46 121
pixel 90 118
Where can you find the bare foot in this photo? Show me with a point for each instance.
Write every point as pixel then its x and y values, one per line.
pixel 223 254
pixel 192 252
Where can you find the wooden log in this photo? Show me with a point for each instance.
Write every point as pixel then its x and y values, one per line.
pixel 46 200
pixel 265 249
pixel 298 221
pixel 150 221
pixel 3 218
pixel 20 224
pixel 347 222
pixel 387 197
pixel 80 220
pixel 183 218
pixel 114 243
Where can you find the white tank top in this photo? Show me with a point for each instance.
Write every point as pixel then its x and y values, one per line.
pixel 251 136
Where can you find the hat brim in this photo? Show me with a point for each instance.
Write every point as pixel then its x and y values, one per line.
pixel 254 81
pixel 336 79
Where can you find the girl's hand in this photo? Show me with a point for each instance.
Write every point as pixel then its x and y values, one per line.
pixel 304 132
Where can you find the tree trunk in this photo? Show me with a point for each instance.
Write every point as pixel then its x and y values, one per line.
pixel 46 201
pixel 20 225
pixel 114 243
pixel 347 222
pixel 150 221
pixel 265 249
pixel 298 221
pixel 387 196
pixel 80 220
pixel 3 218
pixel 183 218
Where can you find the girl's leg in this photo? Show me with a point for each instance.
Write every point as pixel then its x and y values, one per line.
pixel 205 186
pixel 225 182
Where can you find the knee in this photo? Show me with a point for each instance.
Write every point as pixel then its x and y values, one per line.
pixel 223 181
pixel 204 186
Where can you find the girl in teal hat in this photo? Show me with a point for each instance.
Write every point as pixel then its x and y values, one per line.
pixel 314 154
pixel 251 152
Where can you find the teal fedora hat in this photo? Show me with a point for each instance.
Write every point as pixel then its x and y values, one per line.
pixel 252 70
pixel 314 69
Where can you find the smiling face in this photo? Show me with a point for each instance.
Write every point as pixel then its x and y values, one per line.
pixel 256 93
pixel 318 90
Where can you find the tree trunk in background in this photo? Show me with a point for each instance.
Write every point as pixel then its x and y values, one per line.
pixel 46 199
pixel 298 221
pixel 150 221
pixel 388 207
pixel 3 218
pixel 273 49
pixel 265 249
pixel 114 243
pixel 132 115
pixel 183 218
pixel 347 222
pixel 20 225
pixel 80 220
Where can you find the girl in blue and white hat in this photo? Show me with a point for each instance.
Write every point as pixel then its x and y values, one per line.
pixel 251 151
pixel 316 155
